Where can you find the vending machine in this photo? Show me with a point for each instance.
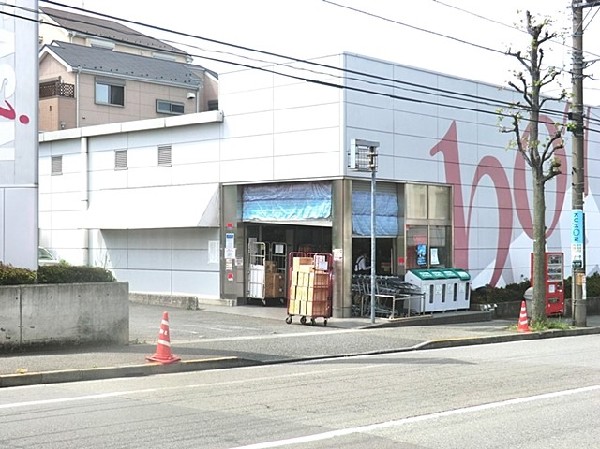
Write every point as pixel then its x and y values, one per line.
pixel 553 283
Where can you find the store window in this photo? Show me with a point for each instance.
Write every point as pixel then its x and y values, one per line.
pixel 428 226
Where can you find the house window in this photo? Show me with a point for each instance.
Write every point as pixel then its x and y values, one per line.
pixel 213 105
pixel 169 107
pixel 56 165
pixel 110 92
pixel 121 160
pixel 164 156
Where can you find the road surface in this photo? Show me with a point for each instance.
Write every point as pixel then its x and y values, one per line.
pixel 528 394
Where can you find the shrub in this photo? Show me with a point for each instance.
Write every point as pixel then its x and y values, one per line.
pixel 515 292
pixel 64 274
pixel 490 295
pixel 592 286
pixel 10 275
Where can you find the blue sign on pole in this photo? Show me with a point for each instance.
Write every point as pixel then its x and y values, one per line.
pixel 577 239
pixel 577 228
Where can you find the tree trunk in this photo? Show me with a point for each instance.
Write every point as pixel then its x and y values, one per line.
pixel 538 314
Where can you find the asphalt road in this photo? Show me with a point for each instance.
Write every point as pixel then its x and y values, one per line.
pixel 523 394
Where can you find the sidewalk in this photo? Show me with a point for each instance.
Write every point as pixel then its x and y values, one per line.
pixel 227 337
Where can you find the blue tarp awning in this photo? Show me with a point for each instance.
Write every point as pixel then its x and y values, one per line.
pixel 386 213
pixel 287 202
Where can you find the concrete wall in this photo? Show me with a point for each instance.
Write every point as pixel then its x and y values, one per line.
pixel 55 314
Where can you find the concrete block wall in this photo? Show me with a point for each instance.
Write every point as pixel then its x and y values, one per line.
pixel 57 314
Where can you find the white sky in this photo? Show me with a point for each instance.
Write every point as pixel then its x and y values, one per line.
pixel 311 28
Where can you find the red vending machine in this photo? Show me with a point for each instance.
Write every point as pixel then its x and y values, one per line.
pixel 554 283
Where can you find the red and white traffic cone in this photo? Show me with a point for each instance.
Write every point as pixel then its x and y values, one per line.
pixel 163 346
pixel 523 323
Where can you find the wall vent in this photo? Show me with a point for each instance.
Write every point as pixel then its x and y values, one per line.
pixel 165 156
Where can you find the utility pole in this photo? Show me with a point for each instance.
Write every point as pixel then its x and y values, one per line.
pixel 363 157
pixel 578 291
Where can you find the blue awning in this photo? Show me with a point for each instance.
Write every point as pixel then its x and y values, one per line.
pixel 287 202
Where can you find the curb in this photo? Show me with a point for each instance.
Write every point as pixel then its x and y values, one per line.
pixel 77 375
pixel 148 369
pixel 470 341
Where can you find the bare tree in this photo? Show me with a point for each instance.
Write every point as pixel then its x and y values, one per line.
pixel 540 156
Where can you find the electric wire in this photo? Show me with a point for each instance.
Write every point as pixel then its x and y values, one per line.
pixel 454 95
pixel 441 92
pixel 398 97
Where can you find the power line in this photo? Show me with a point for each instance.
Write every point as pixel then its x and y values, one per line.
pixel 441 92
pixel 339 86
pixel 424 30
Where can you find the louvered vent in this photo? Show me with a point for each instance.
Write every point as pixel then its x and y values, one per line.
pixel 120 159
pixel 164 156
pixel 57 165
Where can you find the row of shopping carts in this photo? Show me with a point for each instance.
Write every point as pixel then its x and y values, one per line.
pixel 393 296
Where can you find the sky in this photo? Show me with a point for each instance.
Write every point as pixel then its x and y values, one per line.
pixel 445 36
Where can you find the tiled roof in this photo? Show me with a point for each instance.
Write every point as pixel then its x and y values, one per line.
pixel 93 26
pixel 119 64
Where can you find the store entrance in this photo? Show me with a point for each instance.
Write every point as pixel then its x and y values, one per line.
pixel 267 249
pixel 385 254
pixel 298 238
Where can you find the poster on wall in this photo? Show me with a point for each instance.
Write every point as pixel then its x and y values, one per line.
pixel 434 256
pixel 422 255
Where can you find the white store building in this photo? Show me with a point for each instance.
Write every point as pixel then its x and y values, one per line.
pixel 162 202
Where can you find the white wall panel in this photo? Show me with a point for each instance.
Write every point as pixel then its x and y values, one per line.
pixel 305 95
pixel 196 173
pixel 149 177
pixel 247 148
pixel 307 141
pixel 195 152
pixel 247 170
pixel 242 80
pixel 203 284
pixel 245 125
pixel 297 119
pixel 315 165
pixel 373 82
pixel 169 261
pixel 411 123
pixel 416 90
pixel 373 119
pixel 250 101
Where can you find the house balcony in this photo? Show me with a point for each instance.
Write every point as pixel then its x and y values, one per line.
pixel 56 89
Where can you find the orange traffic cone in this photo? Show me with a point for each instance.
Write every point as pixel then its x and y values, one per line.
pixel 523 323
pixel 163 347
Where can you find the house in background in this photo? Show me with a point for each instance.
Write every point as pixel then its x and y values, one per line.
pixel 94 71
pixel 89 31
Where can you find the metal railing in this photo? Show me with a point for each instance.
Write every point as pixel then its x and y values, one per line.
pixel 56 89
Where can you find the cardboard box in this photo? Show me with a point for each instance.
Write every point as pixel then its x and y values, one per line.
pixel 274 286
pixel 294 307
pixel 300 278
pixel 301 293
pixel 270 266
pixel 301 261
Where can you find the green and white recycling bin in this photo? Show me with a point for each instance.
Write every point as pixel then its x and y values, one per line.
pixel 449 290
pixel 430 286
pixel 464 289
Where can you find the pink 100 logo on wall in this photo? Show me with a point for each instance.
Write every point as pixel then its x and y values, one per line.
pixel 511 196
